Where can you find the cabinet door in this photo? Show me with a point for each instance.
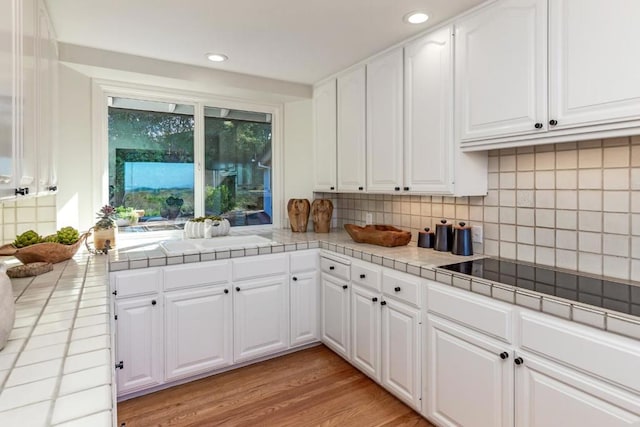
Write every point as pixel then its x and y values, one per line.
pixel 27 152
pixel 335 314
pixel 384 123
pixel 325 115
pixel 593 75
pixel 365 331
pixel 304 308
pixel 547 394
pixel 429 144
pixel 8 95
pixel 260 317
pixel 466 366
pixel 501 70
pixel 351 130
pixel 401 351
pixel 139 343
pixel 197 331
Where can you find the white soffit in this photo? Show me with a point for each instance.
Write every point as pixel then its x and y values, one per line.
pixel 292 40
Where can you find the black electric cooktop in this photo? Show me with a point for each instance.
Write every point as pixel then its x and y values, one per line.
pixel 601 293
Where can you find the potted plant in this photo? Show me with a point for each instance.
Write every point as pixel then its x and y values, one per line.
pixel 105 228
pixel 126 216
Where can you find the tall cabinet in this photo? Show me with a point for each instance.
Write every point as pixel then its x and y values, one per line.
pixel 324 120
pixel 28 59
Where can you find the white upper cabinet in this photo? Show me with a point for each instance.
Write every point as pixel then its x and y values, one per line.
pixel 351 130
pixel 501 70
pixel 384 123
pixel 428 76
pixel 324 110
pixel 593 63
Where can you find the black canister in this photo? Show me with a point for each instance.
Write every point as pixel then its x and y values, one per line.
pixel 462 242
pixel 444 237
pixel 426 238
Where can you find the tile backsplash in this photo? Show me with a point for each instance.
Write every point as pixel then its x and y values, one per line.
pixel 571 205
pixel 30 213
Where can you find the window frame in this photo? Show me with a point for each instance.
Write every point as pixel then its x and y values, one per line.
pixel 103 89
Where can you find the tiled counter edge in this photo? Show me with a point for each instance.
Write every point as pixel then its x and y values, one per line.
pixel 56 367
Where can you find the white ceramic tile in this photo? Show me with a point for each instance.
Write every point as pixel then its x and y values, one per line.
pixel 615 179
pixel 545 199
pixel 48 328
pixel 566 259
pixel 615 244
pixel 545 218
pixel 566 159
pixel 35 372
pixel 492 231
pixel 91 320
pixel 588 317
pixel 494 164
pixel 545 180
pixel 41 354
pixel 507 233
pixel 556 308
pixel 590 263
pixel 83 380
pixel 566 179
pixel 628 327
pixel 590 200
pixel 526 235
pixel 56 317
pixel 590 179
pixel 491 248
pixel 525 217
pixel 26 215
pixel 567 219
pixel 90 331
pixel 83 361
pixel 545 237
pixel 545 256
pixel 25 394
pixel 90 311
pixel 566 199
pixel 491 214
pixel 526 253
pixel 507 180
pixel 617 267
pixel 507 215
pixel 566 239
pixel 590 242
pixel 101 419
pixel 13 346
pixel 590 221
pixel 590 158
pixel 507 163
pixel 31 415
pixel 525 180
pixel 545 161
pixel 507 198
pixel 80 404
pixel 89 344
pixel 616 157
pixel 617 223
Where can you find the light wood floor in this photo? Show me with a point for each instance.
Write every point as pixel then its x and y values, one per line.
pixel 308 388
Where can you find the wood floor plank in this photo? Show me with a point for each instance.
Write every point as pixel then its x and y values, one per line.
pixel 313 387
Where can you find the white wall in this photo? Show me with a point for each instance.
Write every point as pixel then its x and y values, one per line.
pixel 75 193
pixel 298 151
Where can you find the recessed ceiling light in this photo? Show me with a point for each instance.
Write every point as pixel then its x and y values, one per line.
pixel 217 57
pixel 416 17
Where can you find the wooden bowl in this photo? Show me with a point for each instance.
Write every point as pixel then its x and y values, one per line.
pixel 378 234
pixel 43 252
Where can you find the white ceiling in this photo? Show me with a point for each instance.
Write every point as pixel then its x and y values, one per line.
pixel 293 40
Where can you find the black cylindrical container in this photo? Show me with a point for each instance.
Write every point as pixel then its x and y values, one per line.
pixel 426 238
pixel 462 242
pixel 444 237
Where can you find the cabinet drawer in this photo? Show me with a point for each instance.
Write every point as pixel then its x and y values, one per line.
pixel 474 311
pixel 136 282
pixel 260 266
pixel 304 261
pixel 205 273
pixel 403 287
pixel 608 356
pixel 367 275
pixel 334 268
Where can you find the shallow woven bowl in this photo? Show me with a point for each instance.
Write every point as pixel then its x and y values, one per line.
pixel 43 252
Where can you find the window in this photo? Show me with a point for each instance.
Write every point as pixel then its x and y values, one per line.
pixel 152 158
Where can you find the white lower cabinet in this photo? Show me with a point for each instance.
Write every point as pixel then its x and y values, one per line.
pixel 365 331
pixel 198 332
pixel 468 377
pixel 260 317
pixel 548 394
pixel 139 342
pixel 401 351
pixel 303 291
pixel 336 320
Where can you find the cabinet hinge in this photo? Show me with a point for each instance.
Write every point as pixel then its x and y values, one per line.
pixel 120 365
pixel 22 191
pixel 115 292
pixel 115 317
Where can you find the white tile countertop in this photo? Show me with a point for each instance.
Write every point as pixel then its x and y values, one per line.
pixel 57 369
